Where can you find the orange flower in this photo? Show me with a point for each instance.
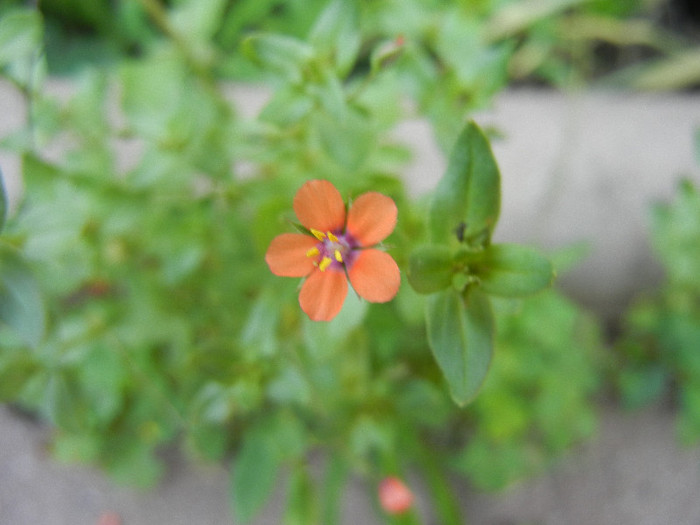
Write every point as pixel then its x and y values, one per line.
pixel 338 249
pixel 394 496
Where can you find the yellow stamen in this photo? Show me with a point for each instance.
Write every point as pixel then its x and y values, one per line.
pixel 318 234
pixel 332 237
pixel 313 252
pixel 325 263
pixel 338 256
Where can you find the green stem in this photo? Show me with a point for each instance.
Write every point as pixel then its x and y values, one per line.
pixel 446 506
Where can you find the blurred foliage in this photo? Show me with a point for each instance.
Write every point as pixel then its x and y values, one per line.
pixel 151 198
pixel 658 350
pixel 457 55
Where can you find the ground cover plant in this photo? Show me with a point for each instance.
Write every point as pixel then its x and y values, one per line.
pixel 176 273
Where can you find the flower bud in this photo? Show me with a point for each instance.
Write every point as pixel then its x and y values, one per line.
pixel 394 496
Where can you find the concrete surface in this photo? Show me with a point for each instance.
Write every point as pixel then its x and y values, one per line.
pixel 575 168
pixel 632 473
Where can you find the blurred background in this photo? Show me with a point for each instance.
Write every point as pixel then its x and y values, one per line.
pixel 152 370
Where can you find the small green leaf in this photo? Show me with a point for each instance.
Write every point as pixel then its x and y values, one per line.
pixel 254 473
pixel 430 268
pixel 386 54
pixel 336 31
pixel 20 47
pixel 302 505
pixel 198 19
pixel 460 333
pixel 513 270
pixel 20 35
pixel 467 199
pixel 279 54
pixel 21 305
pixel 3 202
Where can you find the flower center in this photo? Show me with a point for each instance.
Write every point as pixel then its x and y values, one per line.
pixel 332 250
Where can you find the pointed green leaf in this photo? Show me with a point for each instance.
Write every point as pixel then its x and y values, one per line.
pixel 513 270
pixel 467 200
pixel 336 31
pixel 21 305
pixel 460 334
pixel 198 19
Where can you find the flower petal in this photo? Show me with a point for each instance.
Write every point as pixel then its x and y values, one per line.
pixel 286 255
pixel 371 218
pixel 322 294
pixel 319 205
pixel 375 276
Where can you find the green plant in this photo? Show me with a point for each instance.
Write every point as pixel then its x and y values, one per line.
pixel 147 234
pixel 661 333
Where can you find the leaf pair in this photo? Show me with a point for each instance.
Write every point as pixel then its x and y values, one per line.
pixel 460 267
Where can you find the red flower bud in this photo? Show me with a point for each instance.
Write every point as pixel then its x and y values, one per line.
pixel 394 496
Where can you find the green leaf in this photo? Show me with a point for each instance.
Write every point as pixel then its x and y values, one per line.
pixel 430 268
pixel 198 19
pixel 279 54
pixel 467 200
pixel 302 505
pixel 336 31
pixel 3 202
pixel 20 35
pixel 21 305
pixel 254 473
pixel 16 368
pixel 513 270
pixel 460 334
pixel 20 47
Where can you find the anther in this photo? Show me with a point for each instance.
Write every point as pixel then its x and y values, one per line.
pixel 338 256
pixel 318 234
pixel 313 252
pixel 325 263
pixel 332 237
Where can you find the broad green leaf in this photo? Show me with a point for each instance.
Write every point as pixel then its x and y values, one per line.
pixel 513 270
pixel 254 473
pixel 336 30
pixel 430 268
pixel 467 199
pixel 460 333
pixel 21 305
pixel 3 202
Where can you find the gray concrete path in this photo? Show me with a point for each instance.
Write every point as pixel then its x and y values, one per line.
pixel 632 473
